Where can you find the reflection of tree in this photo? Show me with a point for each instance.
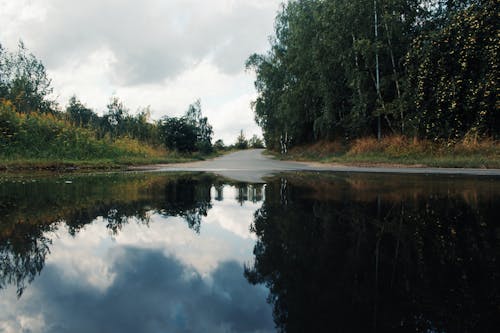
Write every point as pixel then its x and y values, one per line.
pixel 29 210
pixel 188 198
pixel 22 255
pixel 388 262
pixel 249 192
pixel 116 214
pixel 219 190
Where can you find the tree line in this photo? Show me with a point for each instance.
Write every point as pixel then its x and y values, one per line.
pixel 342 69
pixel 26 90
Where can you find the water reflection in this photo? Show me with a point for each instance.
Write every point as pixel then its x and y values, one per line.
pixel 128 253
pixel 156 252
pixel 31 208
pixel 380 253
pixel 151 292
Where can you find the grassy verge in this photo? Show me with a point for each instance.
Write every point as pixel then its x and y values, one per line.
pixel 20 163
pixel 400 151
pixel 91 164
pixel 45 142
pixel 119 162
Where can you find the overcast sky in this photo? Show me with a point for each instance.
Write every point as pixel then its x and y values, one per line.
pixel 161 53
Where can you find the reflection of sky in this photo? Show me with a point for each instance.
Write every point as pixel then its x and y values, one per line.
pixel 158 278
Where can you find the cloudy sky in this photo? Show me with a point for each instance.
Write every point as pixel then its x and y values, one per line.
pixel 159 53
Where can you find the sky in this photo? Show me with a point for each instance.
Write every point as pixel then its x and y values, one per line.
pixel 164 54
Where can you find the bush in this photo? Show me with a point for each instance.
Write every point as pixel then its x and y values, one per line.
pixel 9 124
pixel 178 134
pixel 256 142
pixel 219 145
pixel 37 135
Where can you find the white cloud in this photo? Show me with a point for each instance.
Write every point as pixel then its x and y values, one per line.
pixel 87 77
pixel 233 116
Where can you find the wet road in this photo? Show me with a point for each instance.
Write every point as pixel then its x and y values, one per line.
pixel 251 166
pixel 245 165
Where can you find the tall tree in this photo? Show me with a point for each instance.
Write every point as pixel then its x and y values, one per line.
pixel 24 81
pixel 204 130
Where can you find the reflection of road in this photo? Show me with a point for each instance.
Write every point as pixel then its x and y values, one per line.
pixel 251 165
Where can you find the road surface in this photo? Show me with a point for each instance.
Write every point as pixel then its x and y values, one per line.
pixel 251 166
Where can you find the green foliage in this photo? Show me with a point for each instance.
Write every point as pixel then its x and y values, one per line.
pixel 219 145
pixel 204 130
pixel 37 135
pixel 24 81
pixel 114 121
pixel 241 141
pixel 455 74
pixel 255 142
pixel 9 124
pixel 178 134
pixel 317 81
pixel 189 133
pixel 79 115
pixel 437 63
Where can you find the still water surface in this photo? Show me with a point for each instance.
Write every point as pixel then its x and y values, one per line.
pixel 152 252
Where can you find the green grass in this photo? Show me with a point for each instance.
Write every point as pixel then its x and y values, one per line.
pixel 119 162
pixel 91 164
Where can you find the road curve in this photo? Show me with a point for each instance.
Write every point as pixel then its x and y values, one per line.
pixel 251 166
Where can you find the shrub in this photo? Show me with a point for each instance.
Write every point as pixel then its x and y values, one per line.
pixel 35 135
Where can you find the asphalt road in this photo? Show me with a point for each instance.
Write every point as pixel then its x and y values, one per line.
pixel 246 165
pixel 251 166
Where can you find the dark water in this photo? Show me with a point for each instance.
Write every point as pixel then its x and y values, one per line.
pixel 196 253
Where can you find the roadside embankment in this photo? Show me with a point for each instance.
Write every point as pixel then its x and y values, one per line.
pixel 400 151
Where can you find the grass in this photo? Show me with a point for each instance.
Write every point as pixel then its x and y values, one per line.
pixel 119 162
pixel 401 151
pixel 91 164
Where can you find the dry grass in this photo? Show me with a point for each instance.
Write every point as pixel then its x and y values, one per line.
pixel 133 146
pixel 469 152
pixel 393 146
pixel 318 150
pixel 400 146
pixel 473 145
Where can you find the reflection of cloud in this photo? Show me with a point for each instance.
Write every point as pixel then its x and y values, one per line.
pixel 151 293
pixel 230 217
pixel 224 236
pixel 83 256
pixel 202 251
pixel 22 323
